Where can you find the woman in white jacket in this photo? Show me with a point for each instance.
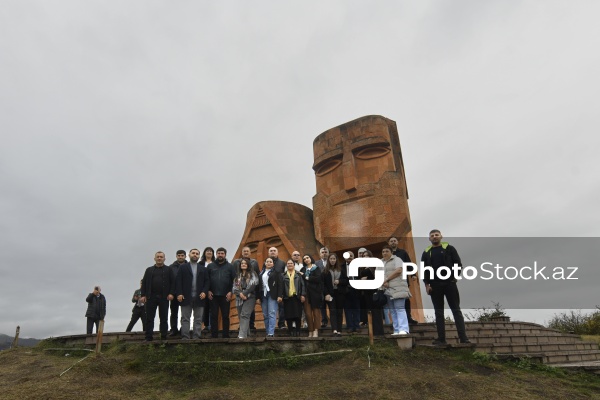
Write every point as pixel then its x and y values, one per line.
pixel 396 290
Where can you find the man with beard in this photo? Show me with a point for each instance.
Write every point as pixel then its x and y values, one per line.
pixel 441 254
pixel 180 260
pixel 246 253
pixel 157 290
pixel 191 289
pixel 221 275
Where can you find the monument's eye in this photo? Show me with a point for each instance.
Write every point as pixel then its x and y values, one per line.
pixel 372 152
pixel 328 166
pixel 253 247
pixel 273 242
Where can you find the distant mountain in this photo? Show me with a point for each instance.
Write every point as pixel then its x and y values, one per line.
pixel 6 342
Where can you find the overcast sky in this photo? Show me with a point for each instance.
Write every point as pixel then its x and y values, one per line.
pixel 129 127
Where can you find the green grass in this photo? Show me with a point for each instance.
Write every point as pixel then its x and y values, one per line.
pixel 591 338
pixel 190 371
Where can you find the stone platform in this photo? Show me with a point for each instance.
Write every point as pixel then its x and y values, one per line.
pixel 505 340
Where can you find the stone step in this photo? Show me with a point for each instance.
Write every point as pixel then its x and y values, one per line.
pixel 452 332
pixel 488 325
pixel 488 331
pixel 522 339
pixel 591 366
pixel 536 348
pixel 508 339
pixel 571 356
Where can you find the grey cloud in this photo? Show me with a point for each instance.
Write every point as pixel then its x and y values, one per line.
pixel 128 128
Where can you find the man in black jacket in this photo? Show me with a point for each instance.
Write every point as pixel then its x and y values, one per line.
pixel 191 290
pixel 438 255
pixel 403 255
pixel 221 275
pixel 96 309
pixel 157 290
pixel 174 304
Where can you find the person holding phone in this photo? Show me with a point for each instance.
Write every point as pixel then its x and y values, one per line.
pixel 96 310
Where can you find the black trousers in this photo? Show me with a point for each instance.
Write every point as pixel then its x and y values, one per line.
pixel 336 309
pixel 174 319
pixel 450 291
pixel 281 321
pixel 219 303
pixel 408 309
pixel 90 325
pixel 376 312
pixel 137 313
pixel 324 319
pixel 352 308
pixel 206 316
pixel 407 303
pixel 152 304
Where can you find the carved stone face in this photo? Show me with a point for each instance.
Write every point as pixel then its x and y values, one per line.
pixel 276 229
pixel 361 189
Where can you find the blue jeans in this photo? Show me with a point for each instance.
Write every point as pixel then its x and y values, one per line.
pixel 270 308
pixel 399 317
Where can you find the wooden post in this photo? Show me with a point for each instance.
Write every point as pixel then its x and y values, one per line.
pixel 99 337
pixel 15 342
pixel 370 320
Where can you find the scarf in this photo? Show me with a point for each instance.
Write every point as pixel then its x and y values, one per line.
pixel 292 291
pixel 309 270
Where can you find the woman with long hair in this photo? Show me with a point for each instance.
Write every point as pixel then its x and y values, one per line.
pixel 269 291
pixel 293 295
pixel 208 256
pixel 396 289
pixel 336 284
pixel 244 288
pixel 313 278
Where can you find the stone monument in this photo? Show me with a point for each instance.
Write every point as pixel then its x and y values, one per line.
pixel 361 200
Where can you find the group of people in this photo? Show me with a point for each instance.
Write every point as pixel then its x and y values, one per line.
pixel 295 293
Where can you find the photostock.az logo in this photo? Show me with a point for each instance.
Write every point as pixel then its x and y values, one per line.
pixel 362 284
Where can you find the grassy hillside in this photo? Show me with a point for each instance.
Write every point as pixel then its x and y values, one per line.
pixel 194 372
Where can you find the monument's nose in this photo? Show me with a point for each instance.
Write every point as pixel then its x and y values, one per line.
pixel 350 181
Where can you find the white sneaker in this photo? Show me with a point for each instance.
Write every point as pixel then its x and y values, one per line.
pixel 395 334
pixel 402 333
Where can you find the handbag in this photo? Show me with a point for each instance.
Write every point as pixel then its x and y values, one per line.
pixel 379 298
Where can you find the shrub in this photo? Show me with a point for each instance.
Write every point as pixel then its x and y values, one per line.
pixel 577 322
pixel 486 314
